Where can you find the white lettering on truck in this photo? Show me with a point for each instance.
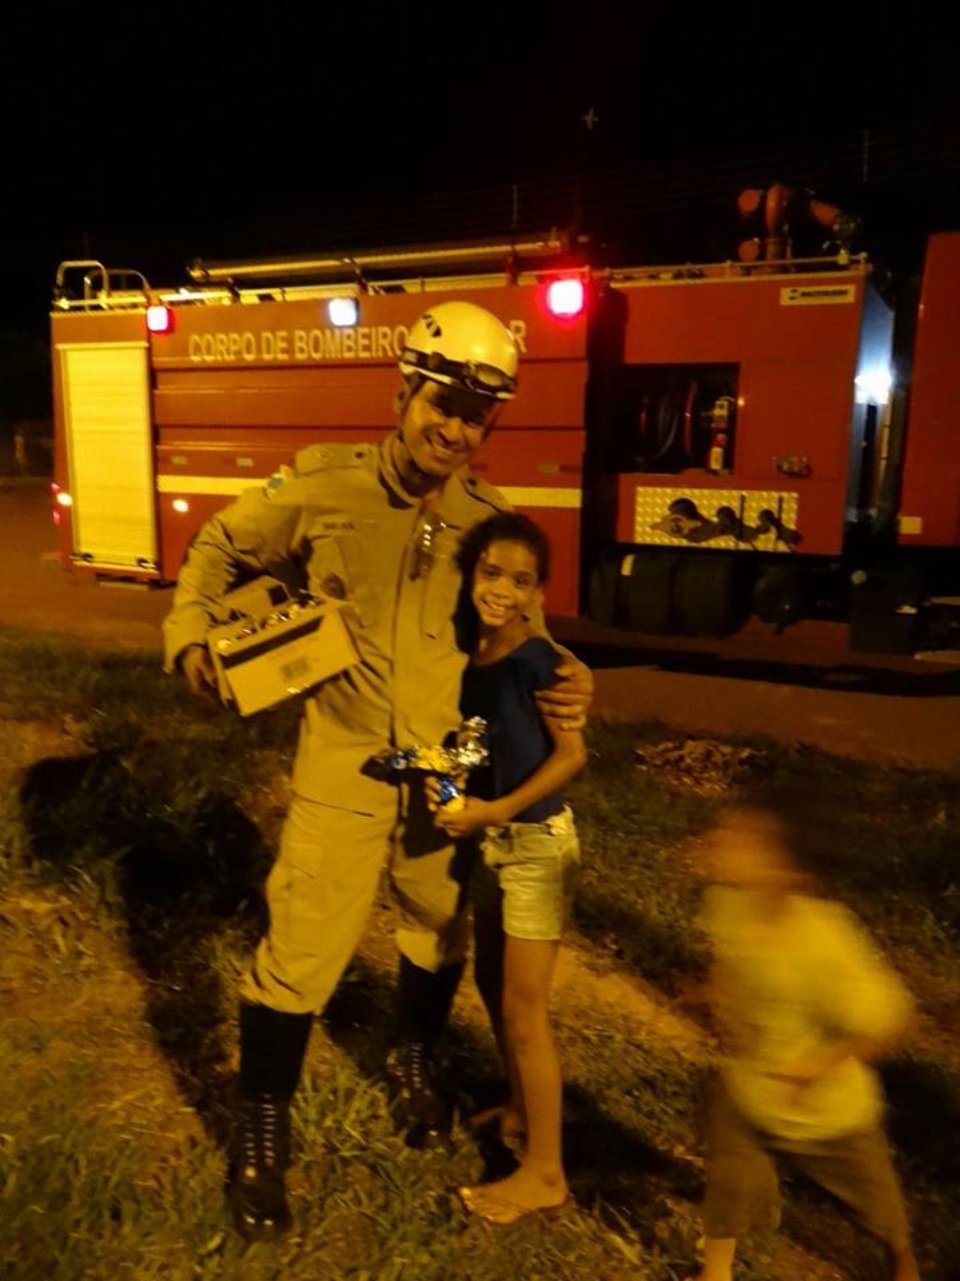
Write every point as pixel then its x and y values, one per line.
pixel 212 349
pixel 519 330
pixel 362 342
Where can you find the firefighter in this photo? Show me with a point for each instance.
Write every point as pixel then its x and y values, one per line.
pixel 377 528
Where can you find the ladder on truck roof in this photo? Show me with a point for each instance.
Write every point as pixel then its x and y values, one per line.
pixel 412 269
pixel 100 288
pixel 369 265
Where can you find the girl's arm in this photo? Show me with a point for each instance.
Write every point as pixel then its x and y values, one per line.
pixel 566 703
pixel 568 700
pixel 568 757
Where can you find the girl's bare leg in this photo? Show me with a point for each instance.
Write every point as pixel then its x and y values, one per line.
pixel 539 1183
pixel 490 945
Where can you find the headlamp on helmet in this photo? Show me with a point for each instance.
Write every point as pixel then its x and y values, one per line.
pixel 463 345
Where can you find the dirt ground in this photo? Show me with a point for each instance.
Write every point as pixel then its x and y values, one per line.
pixel 801 686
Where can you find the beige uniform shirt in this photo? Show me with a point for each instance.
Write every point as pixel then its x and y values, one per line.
pixel 341 523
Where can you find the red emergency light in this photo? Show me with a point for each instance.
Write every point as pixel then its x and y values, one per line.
pixel 565 297
pixel 159 319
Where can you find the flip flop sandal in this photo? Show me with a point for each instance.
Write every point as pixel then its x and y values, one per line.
pixel 515 1211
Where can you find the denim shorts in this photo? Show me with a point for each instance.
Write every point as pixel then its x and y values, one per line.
pixel 532 866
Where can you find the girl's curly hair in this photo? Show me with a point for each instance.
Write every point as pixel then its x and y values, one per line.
pixel 511 527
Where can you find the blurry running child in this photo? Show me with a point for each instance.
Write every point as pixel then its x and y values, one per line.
pixel 529 849
pixel 805 1002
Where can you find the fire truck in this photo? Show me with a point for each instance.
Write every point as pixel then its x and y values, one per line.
pixel 768 436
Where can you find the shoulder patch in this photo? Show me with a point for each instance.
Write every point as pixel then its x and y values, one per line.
pixel 484 492
pixel 277 481
pixel 322 457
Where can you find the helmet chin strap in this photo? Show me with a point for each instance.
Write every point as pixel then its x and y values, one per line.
pixel 415 479
pixel 418 472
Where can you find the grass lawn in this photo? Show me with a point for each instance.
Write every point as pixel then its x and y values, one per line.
pixel 135 830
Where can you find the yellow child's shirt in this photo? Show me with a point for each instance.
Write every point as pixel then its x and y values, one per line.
pixel 795 981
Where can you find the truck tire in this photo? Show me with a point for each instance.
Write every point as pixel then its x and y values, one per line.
pixel 603 593
pixel 780 596
pixel 708 596
pixel 646 592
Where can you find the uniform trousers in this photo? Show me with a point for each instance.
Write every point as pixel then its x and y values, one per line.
pixel 323 884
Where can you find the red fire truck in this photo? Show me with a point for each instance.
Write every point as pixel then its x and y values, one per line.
pixel 702 443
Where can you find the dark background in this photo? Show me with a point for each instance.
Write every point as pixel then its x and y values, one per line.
pixel 168 131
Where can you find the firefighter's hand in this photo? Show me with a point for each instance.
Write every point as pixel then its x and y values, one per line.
pixel 197 667
pixel 567 703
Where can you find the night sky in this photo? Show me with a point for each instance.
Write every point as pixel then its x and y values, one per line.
pixel 183 130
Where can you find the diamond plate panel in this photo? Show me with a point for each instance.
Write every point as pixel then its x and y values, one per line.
pixel 762 520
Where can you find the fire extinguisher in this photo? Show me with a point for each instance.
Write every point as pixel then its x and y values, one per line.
pixel 720 416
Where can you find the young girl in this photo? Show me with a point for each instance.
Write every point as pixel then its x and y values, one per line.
pixel 529 849
pixel 804 1002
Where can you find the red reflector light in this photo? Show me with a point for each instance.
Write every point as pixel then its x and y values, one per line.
pixel 159 319
pixel 565 297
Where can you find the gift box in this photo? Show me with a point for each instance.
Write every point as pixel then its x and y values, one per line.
pixel 283 647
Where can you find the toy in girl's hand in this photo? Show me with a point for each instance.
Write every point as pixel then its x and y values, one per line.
pixel 449 794
pixel 450 764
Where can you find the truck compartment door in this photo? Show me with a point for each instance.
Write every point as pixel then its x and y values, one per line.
pixel 106 391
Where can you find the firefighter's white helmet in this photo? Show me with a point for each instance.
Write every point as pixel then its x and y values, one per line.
pixel 463 345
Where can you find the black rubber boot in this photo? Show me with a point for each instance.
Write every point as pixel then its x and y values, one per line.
pixel 258 1194
pixel 419 1106
pixel 272 1046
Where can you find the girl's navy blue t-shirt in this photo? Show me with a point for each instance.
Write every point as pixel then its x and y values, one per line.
pixel 502 693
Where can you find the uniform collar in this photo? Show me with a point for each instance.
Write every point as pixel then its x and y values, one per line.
pixel 450 501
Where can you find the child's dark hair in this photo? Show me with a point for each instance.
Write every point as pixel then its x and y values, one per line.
pixel 794 819
pixel 511 527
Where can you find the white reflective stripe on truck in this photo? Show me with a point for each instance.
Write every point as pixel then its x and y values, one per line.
pixel 519 496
